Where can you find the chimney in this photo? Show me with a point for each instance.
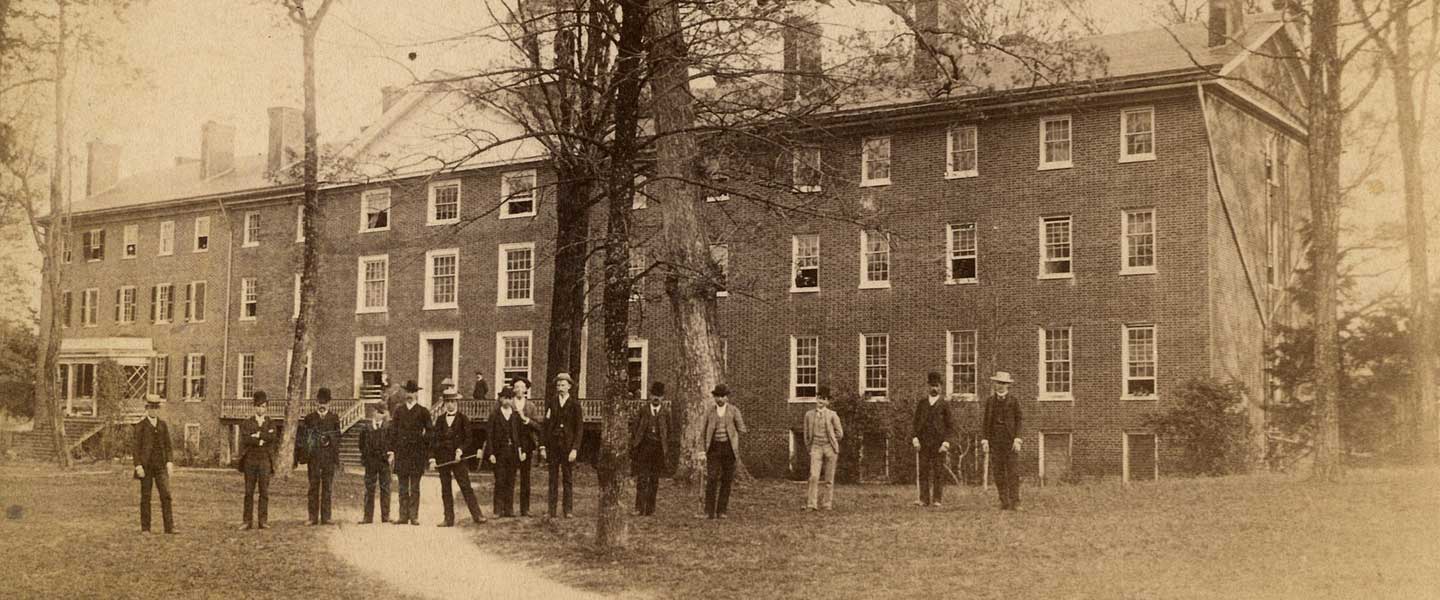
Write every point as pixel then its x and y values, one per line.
pixel 802 62
pixel 102 167
pixel 389 96
pixel 287 137
pixel 925 64
pixel 1227 18
pixel 217 149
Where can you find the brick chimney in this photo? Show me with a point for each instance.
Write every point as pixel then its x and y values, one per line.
pixel 102 167
pixel 287 137
pixel 803 62
pixel 217 149
pixel 389 96
pixel 1227 19
pixel 927 27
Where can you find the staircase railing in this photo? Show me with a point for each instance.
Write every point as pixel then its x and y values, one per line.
pixel 352 415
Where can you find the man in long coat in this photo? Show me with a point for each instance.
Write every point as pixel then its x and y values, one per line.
pixel 320 433
pixel 1002 439
pixel 409 451
pixel 649 437
pixel 933 427
pixel 258 437
pixel 152 463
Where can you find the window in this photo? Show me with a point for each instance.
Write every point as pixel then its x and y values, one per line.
pixel 1055 364
pixel 517 194
pixel 299 223
pixel 202 234
pixel 369 364
pixel 962 152
pixel 805 170
pixel 246 376
pixel 67 304
pixel 874 259
pixel 1055 143
pixel 92 243
pixel 89 307
pixel 639 198
pixel 804 367
pixel 195 302
pixel 964 253
pixel 132 242
pixel 305 374
pixel 295 305
pixel 194 378
pixel 805 250
pixel 1141 457
pixel 444 203
pixel 252 230
pixel 1137 134
pixel 371 288
pixel 961 353
pixel 162 303
pixel 1055 247
pixel 192 438
pixel 249 299
pixel 720 253
pixel 125 304
pixel 512 355
pixel 637 364
pixel 167 238
pixel 1138 242
pixel 160 375
pixel 517 264
pixel 442 273
pixel 375 210
pixel 65 254
pixel 639 262
pixel 874 366
pixel 1139 358
pixel 875 161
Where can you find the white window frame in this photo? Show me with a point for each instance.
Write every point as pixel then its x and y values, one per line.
pixel 797 161
pixel 300 222
pixel 953 251
pixel 360 306
pixel 249 241
pixel 502 277
pixel 1043 374
pixel 366 197
pixel 795 368
pixel 94 235
pixel 500 337
pixel 644 346
pixel 130 243
pixel 358 360
pixel 506 200
pixel 249 296
pixel 795 262
pixel 158 380
pixel 1070 242
pixel 1045 163
pixel 884 397
pixel 1125 156
pixel 167 239
pixel 431 206
pixel 295 303
pixel 1125 268
pixel 240 391
pixel 950 171
pixel 165 303
pixel 951 363
pixel 865 282
pixel 202 230
pixel 865 179
pixel 126 312
pixel 1125 377
pixel 90 307
pixel 188 377
pixel 196 316
pixel 430 258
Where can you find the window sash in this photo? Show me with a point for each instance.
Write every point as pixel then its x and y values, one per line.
pixel 246 377
pixel 875 365
pixel 126 304
pixel 374 280
pixel 1140 361
pixel 1140 240
pixel 445 202
pixel 964 253
pixel 519 274
pixel 963 350
pixel 806 172
pixel 1139 133
pixel 1056 355
pixel 517 193
pixel 132 241
pixel 876 257
pixel 1055 141
pixel 194 377
pixel 252 229
pixel 249 298
pixel 964 152
pixel 1056 243
pixel 375 210
pixel 442 277
pixel 805 356
pixel 202 234
pixel 875 160
pixel 89 307
pixel 372 356
pixel 160 376
pixel 167 238
pixel 806 262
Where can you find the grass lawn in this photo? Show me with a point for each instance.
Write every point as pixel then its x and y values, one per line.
pixel 77 536
pixel 1267 536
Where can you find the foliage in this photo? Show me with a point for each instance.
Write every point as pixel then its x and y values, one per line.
pixel 18 345
pixel 861 419
pixel 1211 427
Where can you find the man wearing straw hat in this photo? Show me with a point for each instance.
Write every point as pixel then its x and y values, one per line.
pixel 152 463
pixel 1002 439
pixel 447 454
pixel 561 442
pixel 258 437
pixel 932 430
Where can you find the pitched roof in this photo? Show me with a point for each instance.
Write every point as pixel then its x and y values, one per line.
pixel 178 182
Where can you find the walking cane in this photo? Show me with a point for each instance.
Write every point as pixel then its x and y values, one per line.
pixel 918 500
pixel 446 464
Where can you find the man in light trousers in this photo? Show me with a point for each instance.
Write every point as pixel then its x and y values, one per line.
pixel 822 436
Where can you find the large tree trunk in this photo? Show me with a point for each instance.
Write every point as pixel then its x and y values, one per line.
pixel 1324 165
pixel 691 274
pixel 572 247
pixel 48 367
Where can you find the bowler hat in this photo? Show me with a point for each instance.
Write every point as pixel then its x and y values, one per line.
pixel 1002 377
pixel 934 379
pixel 721 390
pixel 823 392
pixel 633 385
pixel 657 388
pixel 322 396
pixel 563 376
pixel 410 386
pixel 260 398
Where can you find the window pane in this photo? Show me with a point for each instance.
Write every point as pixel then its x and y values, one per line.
pixel 1057 361
pixel 1140 238
pixel 518 263
pixel 442 271
pixel 447 202
pixel 807 261
pixel 877 257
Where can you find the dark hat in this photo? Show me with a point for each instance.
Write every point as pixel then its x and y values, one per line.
pixel 516 380
pixel 410 386
pixel 657 388
pixel 322 396
pixel 934 379
pixel 260 398
pixel 823 392
pixel 506 392
pixel 721 390
pixel 633 385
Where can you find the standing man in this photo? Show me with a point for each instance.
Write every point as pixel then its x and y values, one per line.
pixel 447 451
pixel 822 437
pixel 257 461
pixel 392 395
pixel 411 429
pixel 528 432
pixel 482 389
pixel 1002 439
pixel 720 429
pixel 503 451
pixel 563 419
pixel 933 428
pixel 375 440
pixel 321 430
pixel 152 463
pixel 649 437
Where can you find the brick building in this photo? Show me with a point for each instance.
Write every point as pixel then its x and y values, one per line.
pixel 1102 242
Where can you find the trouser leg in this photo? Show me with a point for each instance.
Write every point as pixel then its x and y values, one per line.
pixel 812 490
pixel 248 512
pixel 462 478
pixel 827 477
pixel 327 485
pixel 262 485
pixel 447 495
pixel 146 483
pixel 727 476
pixel 162 486
pixel 312 493
pixel 524 472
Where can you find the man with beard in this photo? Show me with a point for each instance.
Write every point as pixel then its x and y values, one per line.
pixel 408 452
pixel 321 432
pixel 933 427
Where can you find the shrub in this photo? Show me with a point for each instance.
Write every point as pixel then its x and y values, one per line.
pixel 1210 425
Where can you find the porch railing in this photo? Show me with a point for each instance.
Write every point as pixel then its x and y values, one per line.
pixel 239 408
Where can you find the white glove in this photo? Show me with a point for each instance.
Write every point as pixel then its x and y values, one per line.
pixel 915 442
pixel 985 445
pixel 1017 444
pixel 573 454
pixel 139 471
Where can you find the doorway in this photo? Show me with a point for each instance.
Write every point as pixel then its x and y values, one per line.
pixel 439 360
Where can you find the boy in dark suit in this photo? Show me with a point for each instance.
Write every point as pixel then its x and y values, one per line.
pixel 258 437
pixel 451 437
pixel 529 417
pixel 374 442
pixel 152 463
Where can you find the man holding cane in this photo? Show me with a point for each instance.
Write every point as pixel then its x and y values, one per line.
pixel 1002 439
pixel 933 428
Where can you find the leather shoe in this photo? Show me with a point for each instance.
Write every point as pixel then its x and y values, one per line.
pixel 365 522
pixel 245 527
pixel 444 524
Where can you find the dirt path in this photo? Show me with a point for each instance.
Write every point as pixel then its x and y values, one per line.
pixel 434 562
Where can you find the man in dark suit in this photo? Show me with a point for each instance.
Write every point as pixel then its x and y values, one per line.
pixel 481 390
pixel 374 442
pixel 258 437
pixel 720 430
pixel 450 439
pixel 152 463
pixel 503 451
pixel 408 451
pixel 530 415
pixel 1001 439
pixel 561 445
pixel 932 428
pixel 321 432
pixel 649 437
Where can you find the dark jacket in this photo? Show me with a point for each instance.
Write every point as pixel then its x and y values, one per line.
pixel 933 424
pixel 257 450
pixel 642 422
pixel 152 444
pixel 446 438
pixel 561 430
pixel 411 427
pixel 1002 419
pixel 320 437
pixel 502 437
pixel 529 433
pixel 481 391
pixel 374 443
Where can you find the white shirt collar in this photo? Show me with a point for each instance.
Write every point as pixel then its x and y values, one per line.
pixel 720 409
pixel 152 420
pixel 933 400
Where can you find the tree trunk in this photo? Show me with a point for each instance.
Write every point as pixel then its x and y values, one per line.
pixel 1324 164
pixel 572 248
pixel 48 367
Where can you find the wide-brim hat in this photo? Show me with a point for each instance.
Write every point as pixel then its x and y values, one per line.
pixel 153 401
pixel 1002 377
pixel 563 376
pixel 934 378
pixel 410 386
pixel 721 390
pixel 260 398
pixel 322 396
pixel 447 383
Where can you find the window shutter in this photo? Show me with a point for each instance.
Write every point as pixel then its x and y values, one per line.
pixel 100 247
pixel 188 294
pixel 154 303
pixel 117 305
pixel 85 245
pixel 199 301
